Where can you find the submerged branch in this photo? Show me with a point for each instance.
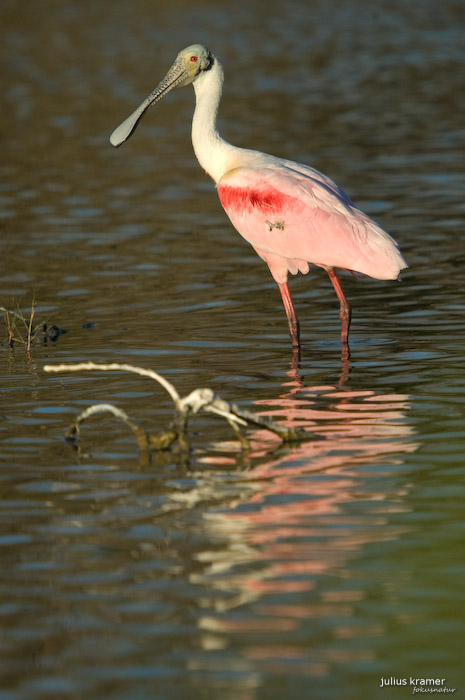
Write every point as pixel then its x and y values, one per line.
pixel 198 400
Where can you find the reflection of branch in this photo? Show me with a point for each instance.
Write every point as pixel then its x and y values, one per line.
pixel 198 400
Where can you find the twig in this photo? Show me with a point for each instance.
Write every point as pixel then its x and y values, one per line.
pixel 141 436
pixel 10 329
pixel 286 434
pixel 116 367
pixel 12 313
pixel 29 327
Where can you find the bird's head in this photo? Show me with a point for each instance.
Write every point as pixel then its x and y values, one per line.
pixel 189 63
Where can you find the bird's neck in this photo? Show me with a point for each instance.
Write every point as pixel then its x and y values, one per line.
pixel 214 154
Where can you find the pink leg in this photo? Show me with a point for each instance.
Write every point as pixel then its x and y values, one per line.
pixel 345 312
pixel 292 319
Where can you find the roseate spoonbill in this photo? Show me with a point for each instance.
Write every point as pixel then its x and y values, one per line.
pixel 290 213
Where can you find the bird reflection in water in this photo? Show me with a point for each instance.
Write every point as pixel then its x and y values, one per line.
pixel 283 560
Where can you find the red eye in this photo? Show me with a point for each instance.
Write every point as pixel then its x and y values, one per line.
pixel 194 59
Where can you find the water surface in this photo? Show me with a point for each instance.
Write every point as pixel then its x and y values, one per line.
pixel 305 571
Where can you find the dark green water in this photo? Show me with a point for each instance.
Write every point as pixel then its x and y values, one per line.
pixel 304 572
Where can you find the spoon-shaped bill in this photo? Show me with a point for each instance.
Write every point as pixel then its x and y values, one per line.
pixel 175 76
pixel 125 129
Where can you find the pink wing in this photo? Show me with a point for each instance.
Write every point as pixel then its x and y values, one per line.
pixel 295 217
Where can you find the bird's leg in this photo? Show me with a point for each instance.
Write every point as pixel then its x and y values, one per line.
pixel 345 312
pixel 292 320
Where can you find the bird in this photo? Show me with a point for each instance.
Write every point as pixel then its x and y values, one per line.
pixel 292 214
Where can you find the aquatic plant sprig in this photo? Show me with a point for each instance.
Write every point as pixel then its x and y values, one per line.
pixel 14 334
pixel 23 330
pixel 198 400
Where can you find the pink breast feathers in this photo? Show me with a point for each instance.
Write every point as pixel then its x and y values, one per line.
pixel 245 199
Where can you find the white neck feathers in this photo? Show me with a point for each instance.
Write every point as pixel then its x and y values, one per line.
pixel 214 154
